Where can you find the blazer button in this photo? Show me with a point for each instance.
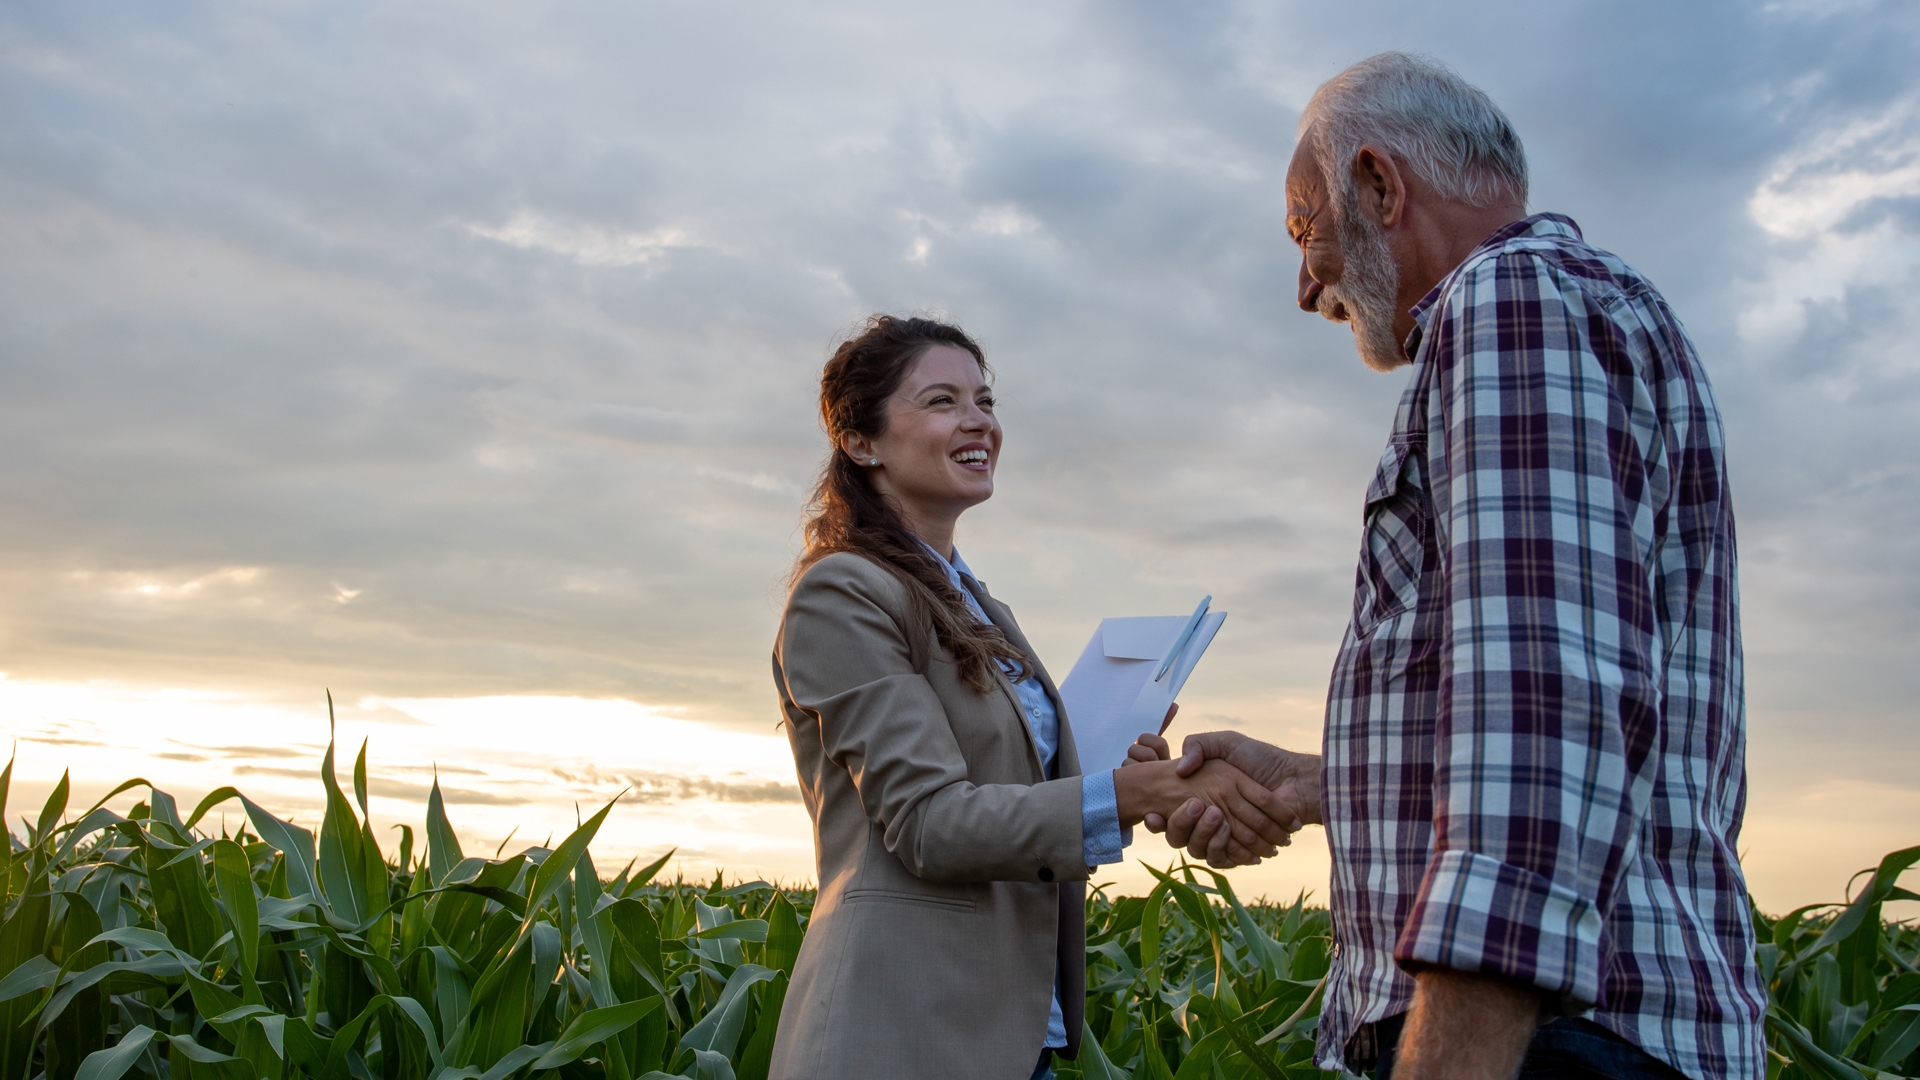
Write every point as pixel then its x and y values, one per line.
pixel 1046 873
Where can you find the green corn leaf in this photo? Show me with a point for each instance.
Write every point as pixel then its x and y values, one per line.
pixel 1199 1061
pixel 719 1030
pixel 188 854
pixel 497 1018
pixel 208 1064
pixel 756 1059
pixel 513 1062
pixel 443 847
pixel 36 973
pixel 1875 893
pixel 341 858
pixel 639 931
pixel 1190 901
pixel 413 918
pixel 97 819
pixel 737 891
pixel 113 1062
pixel 783 934
pixel 738 930
pixel 596 931
pixel 646 873
pixel 452 980
pixel 214 798
pixel 162 810
pixel 56 806
pixel 710 1065
pixel 592 1027
pixel 1093 1061
pixel 559 865
pixel 235 1016
pixel 233 877
pixel 292 841
pixel 6 838
pixel 181 898
pixel 1808 1054
pixel 360 780
pixel 304 1049
pixel 1265 952
pixel 1150 925
pixel 149 971
pixel 1236 1032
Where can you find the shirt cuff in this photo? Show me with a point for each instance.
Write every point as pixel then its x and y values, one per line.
pixel 1477 913
pixel 1101 836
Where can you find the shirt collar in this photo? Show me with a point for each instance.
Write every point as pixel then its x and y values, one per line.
pixel 1554 226
pixel 954 567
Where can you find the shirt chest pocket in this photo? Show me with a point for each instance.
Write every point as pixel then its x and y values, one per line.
pixel 1399 529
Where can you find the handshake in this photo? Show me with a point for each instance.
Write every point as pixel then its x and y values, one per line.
pixel 1228 799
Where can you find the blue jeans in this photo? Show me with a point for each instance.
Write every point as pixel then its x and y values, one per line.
pixel 1569 1048
pixel 1044 1070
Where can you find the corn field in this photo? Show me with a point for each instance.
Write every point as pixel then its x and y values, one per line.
pixel 144 946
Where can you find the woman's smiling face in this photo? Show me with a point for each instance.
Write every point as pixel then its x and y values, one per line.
pixel 941 444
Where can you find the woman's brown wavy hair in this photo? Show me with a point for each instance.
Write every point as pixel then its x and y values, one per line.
pixel 846 513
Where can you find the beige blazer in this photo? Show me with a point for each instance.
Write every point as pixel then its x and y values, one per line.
pixel 952 876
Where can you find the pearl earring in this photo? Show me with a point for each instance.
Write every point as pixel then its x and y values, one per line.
pixel 873 461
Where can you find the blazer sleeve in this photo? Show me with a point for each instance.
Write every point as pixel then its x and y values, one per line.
pixel 847 660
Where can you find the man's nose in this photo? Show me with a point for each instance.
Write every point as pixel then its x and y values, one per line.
pixel 1309 290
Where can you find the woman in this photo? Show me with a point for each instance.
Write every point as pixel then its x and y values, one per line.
pixel 953 830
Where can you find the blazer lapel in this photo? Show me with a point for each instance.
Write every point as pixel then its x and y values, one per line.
pixel 1002 616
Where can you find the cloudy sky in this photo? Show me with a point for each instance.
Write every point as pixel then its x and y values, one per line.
pixel 460 359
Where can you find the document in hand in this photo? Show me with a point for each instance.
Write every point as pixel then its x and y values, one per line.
pixel 1118 691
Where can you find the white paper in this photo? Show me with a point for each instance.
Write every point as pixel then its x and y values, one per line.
pixel 1110 695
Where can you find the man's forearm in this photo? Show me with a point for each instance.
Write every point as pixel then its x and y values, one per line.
pixel 1465 1026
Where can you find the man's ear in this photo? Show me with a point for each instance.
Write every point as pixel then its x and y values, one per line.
pixel 1383 188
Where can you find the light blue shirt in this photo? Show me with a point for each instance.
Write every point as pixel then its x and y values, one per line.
pixel 1101 839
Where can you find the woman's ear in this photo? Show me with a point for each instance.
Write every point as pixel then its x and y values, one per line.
pixel 858 447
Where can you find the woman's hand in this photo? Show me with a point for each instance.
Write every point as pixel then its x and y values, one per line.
pixel 1152 748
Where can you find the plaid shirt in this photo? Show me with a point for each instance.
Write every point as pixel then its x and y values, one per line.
pixel 1535 736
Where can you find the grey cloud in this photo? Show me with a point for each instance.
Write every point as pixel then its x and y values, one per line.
pixel 660 787
pixel 399 789
pixel 267 751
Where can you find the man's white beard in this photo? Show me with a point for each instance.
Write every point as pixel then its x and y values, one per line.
pixel 1369 289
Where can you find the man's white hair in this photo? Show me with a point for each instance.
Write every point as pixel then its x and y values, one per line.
pixel 1447 131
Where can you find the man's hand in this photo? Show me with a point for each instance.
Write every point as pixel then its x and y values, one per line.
pixel 1465 1026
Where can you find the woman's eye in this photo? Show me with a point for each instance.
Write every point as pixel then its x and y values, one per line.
pixel 940 399
pixel 987 403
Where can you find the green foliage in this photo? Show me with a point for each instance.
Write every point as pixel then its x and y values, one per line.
pixel 1844 988
pixel 1188 982
pixel 141 946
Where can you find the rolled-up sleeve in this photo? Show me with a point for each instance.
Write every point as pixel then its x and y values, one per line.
pixel 1544 502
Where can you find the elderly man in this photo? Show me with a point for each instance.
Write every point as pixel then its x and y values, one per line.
pixel 1534 752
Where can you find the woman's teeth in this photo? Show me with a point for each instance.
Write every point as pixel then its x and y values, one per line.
pixel 971 457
